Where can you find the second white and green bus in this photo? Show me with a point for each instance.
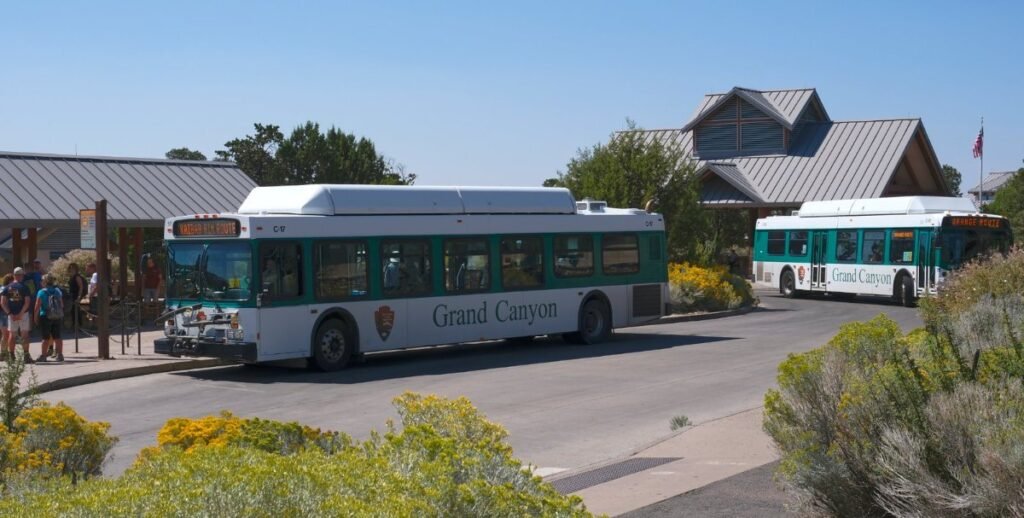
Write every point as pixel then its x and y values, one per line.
pixel 901 247
pixel 327 272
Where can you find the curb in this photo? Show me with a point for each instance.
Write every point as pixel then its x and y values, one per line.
pixel 94 377
pixel 693 317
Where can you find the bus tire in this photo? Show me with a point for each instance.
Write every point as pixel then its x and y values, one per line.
pixel 908 292
pixel 332 346
pixel 787 284
pixel 595 323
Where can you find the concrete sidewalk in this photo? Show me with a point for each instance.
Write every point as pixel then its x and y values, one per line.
pixel 84 366
pixel 693 458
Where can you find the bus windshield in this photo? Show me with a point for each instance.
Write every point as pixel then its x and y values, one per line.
pixel 214 271
pixel 961 245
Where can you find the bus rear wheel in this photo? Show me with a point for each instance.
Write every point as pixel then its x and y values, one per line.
pixel 907 291
pixel 332 347
pixel 787 286
pixel 595 324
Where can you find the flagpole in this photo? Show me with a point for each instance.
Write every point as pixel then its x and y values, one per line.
pixel 981 168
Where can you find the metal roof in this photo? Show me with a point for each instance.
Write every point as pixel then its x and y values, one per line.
pixel 827 161
pixel 50 189
pixel 785 106
pixel 993 181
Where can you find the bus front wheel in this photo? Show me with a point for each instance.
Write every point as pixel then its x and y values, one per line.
pixel 595 324
pixel 332 347
pixel 787 286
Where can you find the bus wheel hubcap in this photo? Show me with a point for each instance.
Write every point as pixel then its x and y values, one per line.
pixel 592 322
pixel 332 345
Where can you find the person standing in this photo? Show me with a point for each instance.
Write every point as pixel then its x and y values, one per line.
pixel 6 345
pixel 76 290
pixel 30 280
pixel 49 314
pixel 17 302
pixel 151 279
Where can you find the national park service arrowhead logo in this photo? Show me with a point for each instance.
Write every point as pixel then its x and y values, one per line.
pixel 384 317
pixel 800 273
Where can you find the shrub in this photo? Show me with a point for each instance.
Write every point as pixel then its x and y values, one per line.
pixel 707 288
pixel 446 460
pixel 12 399
pixel 879 423
pixel 82 258
pixel 227 429
pixel 995 276
pixel 74 445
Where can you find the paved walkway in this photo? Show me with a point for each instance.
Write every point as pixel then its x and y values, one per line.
pixel 704 454
pixel 84 366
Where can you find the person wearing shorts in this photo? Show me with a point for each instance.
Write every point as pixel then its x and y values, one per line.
pixel 17 304
pixel 49 327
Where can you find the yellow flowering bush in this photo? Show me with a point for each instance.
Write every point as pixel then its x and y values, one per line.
pixel 444 459
pixel 706 288
pixel 227 429
pixel 48 441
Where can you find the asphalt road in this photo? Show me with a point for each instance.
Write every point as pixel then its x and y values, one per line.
pixel 565 406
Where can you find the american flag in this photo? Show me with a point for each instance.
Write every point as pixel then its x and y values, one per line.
pixel 979 143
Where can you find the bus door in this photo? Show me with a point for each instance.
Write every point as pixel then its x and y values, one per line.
pixel 927 258
pixel 819 245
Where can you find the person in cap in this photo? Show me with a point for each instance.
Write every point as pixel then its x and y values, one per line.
pixel 49 315
pixel 17 302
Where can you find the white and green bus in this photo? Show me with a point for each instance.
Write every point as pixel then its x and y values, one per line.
pixel 900 247
pixel 328 272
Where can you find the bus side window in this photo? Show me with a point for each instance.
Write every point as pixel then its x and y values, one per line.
pixel 620 254
pixel 873 246
pixel 798 243
pixel 340 268
pixel 522 262
pixel 281 276
pixel 776 242
pixel 466 264
pixel 574 255
pixel 406 267
pixel 846 246
pixel 901 247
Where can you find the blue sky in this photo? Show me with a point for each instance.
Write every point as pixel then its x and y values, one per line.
pixel 470 93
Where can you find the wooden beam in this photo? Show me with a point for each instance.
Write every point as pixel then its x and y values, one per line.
pixel 137 262
pixel 33 244
pixel 15 252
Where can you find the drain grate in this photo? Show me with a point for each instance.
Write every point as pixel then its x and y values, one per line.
pixel 607 473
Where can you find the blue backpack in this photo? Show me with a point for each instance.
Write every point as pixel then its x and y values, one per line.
pixel 54 304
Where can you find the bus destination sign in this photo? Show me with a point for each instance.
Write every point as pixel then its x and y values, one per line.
pixel 207 228
pixel 975 222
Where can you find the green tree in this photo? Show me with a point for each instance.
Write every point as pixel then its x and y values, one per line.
pixel 952 176
pixel 630 171
pixel 309 155
pixel 184 153
pixel 1009 202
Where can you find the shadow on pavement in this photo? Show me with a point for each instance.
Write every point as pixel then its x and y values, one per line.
pixel 748 494
pixel 450 359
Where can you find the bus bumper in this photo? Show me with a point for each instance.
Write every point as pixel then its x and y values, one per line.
pixel 237 351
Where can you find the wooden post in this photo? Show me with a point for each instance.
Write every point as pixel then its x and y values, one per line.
pixel 33 244
pixel 103 267
pixel 122 259
pixel 16 246
pixel 137 263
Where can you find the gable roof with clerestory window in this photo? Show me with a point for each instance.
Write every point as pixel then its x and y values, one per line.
pixel 822 159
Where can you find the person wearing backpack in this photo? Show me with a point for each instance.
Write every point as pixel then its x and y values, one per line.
pixel 49 316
